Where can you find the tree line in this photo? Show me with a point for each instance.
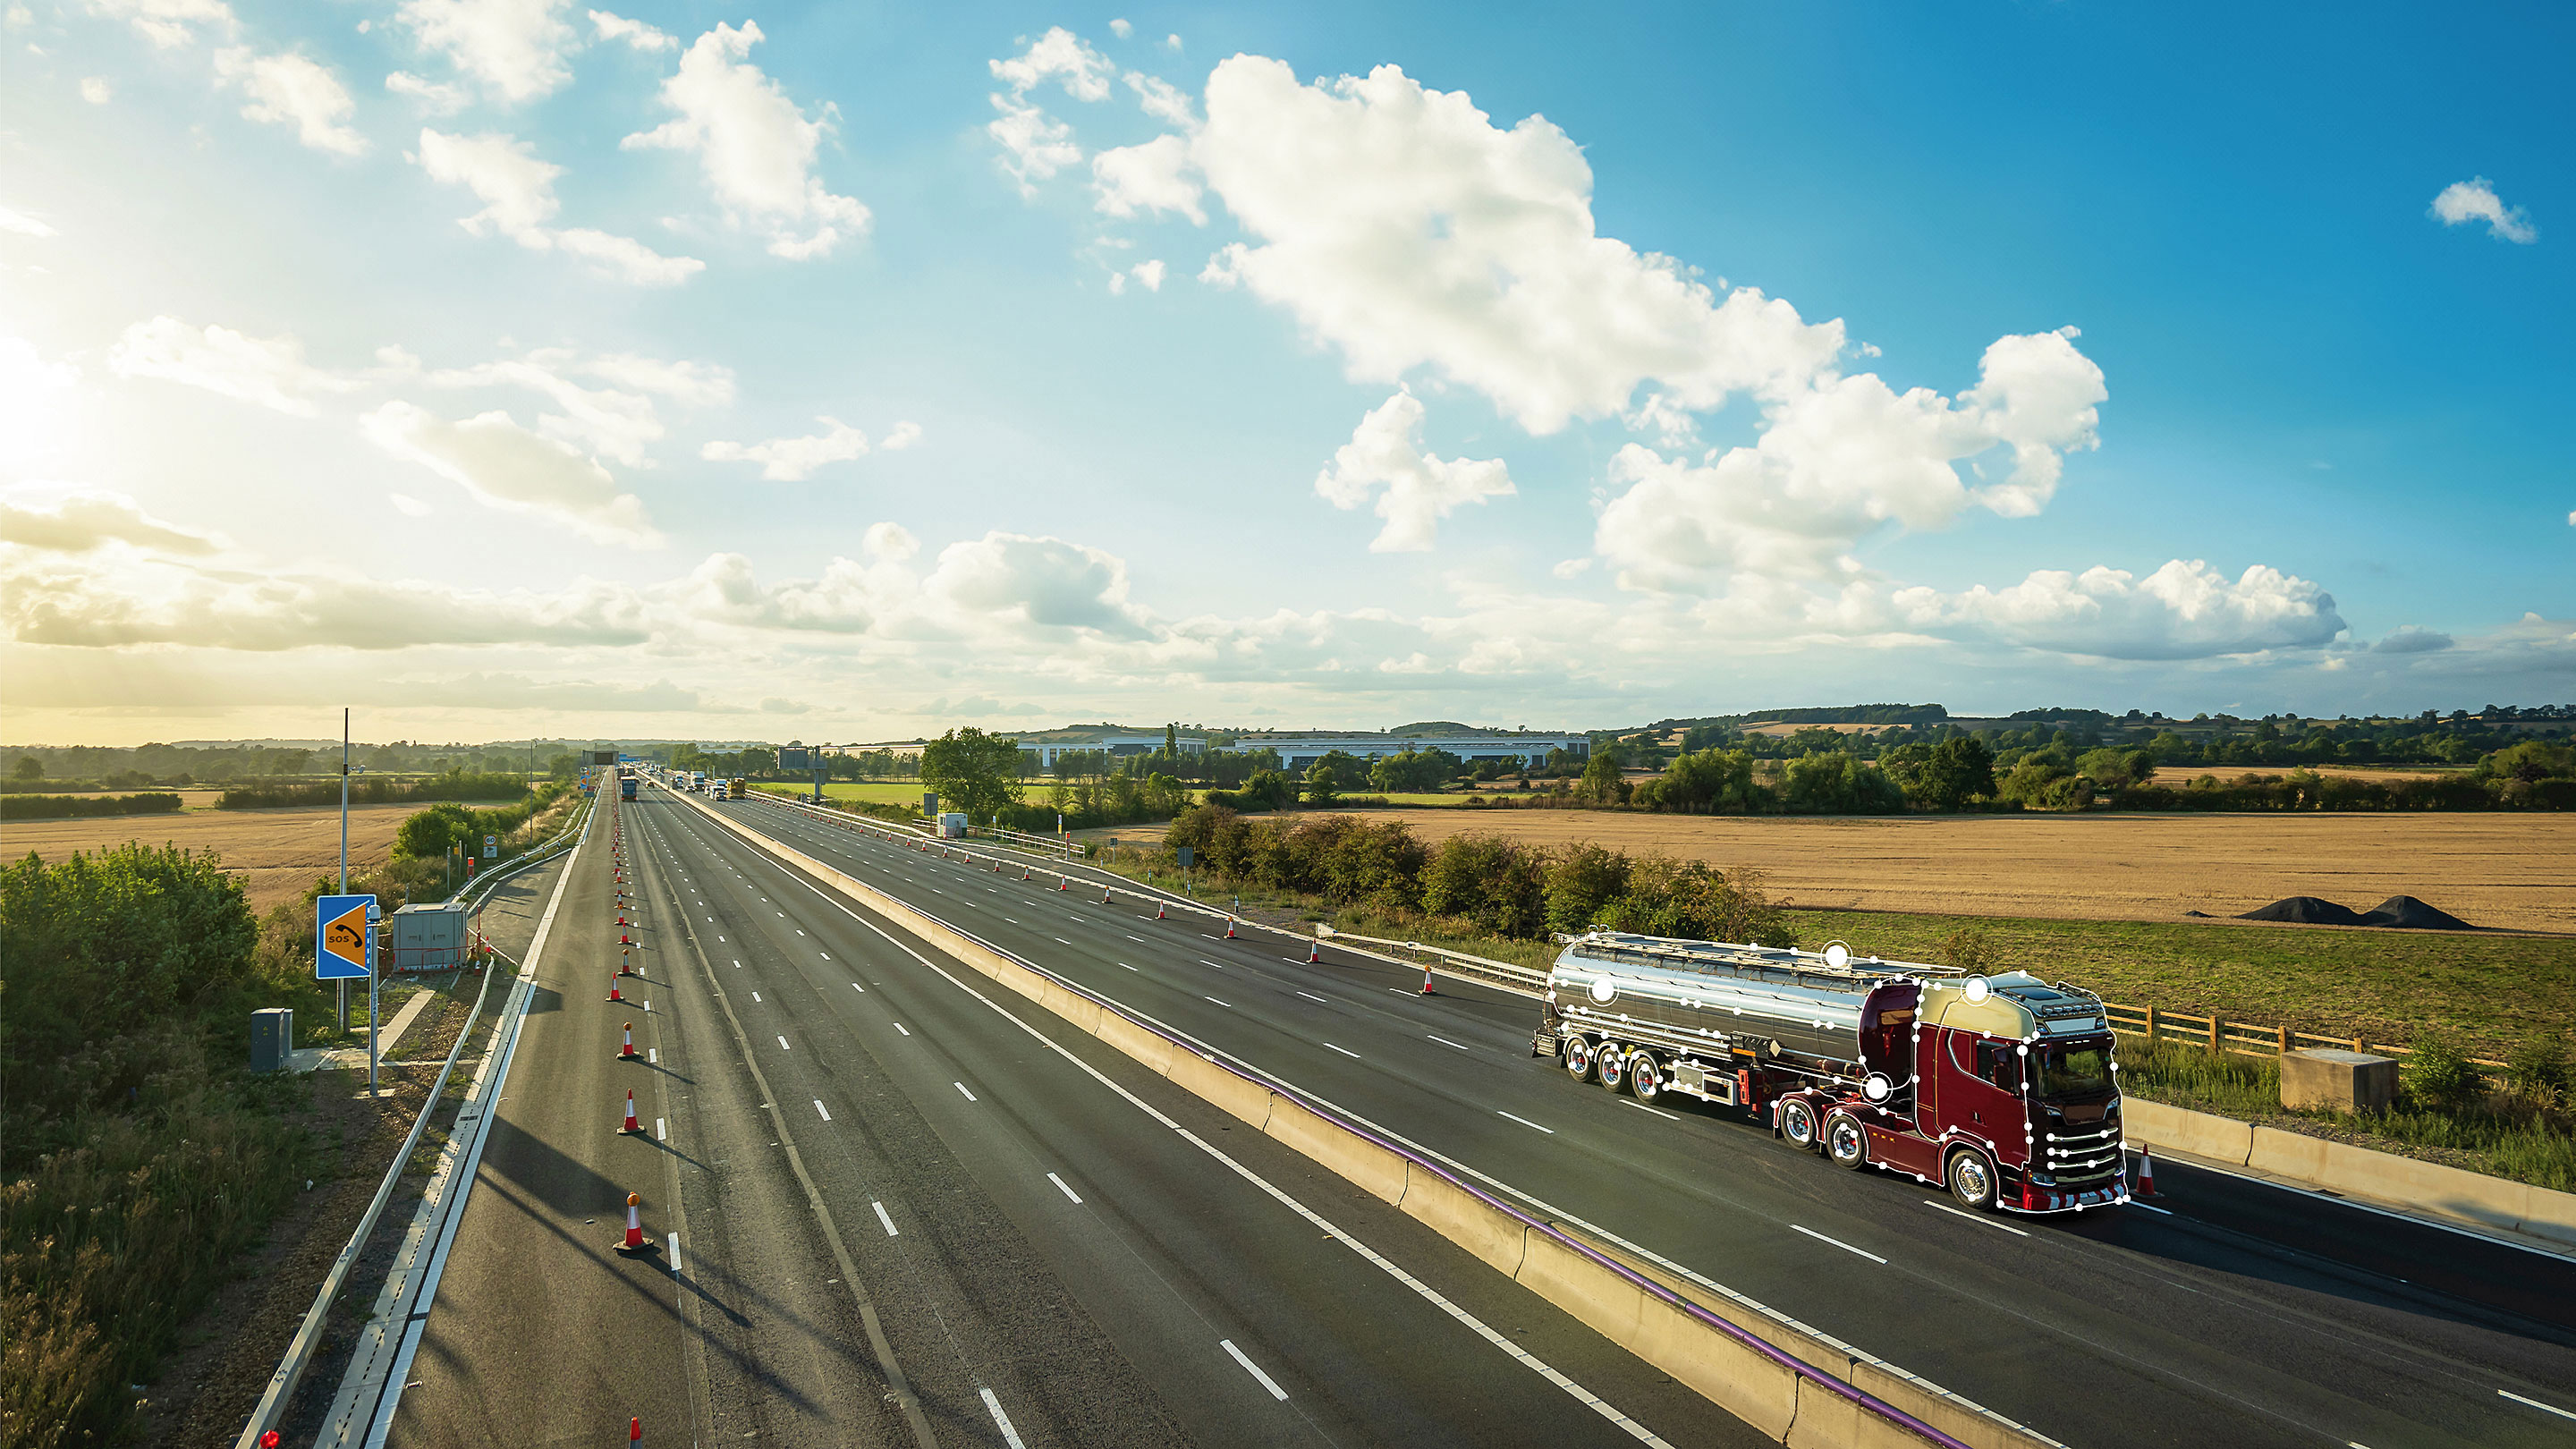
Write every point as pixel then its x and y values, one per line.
pixel 1491 884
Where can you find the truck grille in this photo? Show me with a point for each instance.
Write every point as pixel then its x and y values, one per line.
pixel 2081 1156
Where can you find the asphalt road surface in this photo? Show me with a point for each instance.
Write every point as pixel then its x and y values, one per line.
pixel 2238 1314
pixel 892 1207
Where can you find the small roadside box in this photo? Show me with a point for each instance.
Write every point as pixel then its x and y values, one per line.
pixel 272 1038
pixel 429 936
pixel 952 826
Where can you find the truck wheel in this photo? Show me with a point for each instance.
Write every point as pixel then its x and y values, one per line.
pixel 1798 1123
pixel 1609 1068
pixel 1972 1179
pixel 1578 1058
pixel 1846 1145
pixel 1645 1079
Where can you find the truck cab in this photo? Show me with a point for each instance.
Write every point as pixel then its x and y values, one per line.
pixel 1999 1088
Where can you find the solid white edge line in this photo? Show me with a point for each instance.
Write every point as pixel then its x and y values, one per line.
pixel 1010 1435
pixel 1972 1217
pixel 1346 1051
pixel 1060 1187
pixel 1518 1354
pixel 1254 1369
pixel 2535 1403
pixel 1524 1121
pixel 881 1217
pixel 1839 1243
pixel 819 1107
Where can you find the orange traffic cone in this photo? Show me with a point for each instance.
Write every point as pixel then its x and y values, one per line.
pixel 627 1053
pixel 1229 928
pixel 613 993
pixel 634 1226
pixel 2146 1173
pixel 1426 982
pixel 1063 884
pixel 1104 895
pixel 634 1431
pixel 1314 953
pixel 631 1124
pixel 1158 912
pixel 1024 872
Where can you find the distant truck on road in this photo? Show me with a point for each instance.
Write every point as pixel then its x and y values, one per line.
pixel 2001 1088
pixel 625 784
pixel 718 790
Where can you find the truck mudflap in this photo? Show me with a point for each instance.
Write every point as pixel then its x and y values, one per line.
pixel 1542 1043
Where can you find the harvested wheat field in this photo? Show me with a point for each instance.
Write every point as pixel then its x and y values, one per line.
pixel 276 852
pixel 2510 871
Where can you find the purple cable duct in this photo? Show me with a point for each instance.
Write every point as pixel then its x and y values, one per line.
pixel 1795 1365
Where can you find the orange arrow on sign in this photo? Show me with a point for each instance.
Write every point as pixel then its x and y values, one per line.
pixel 345 936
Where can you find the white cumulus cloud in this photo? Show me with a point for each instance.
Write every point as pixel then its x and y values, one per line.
pixel 1036 145
pixel 517 190
pixel 294 90
pixel 755 145
pixel 269 371
pixel 96 91
pixel 2475 200
pixel 2184 610
pixel 87 522
pixel 792 460
pixel 22 224
pixel 1060 55
pixel 508 467
pixel 170 23
pixel 1400 225
pixel 1841 456
pixel 635 33
pixel 514 49
pixel 1386 451
pixel 1154 177
pixel 439 98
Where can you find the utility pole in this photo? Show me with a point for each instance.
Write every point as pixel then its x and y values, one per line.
pixel 344 850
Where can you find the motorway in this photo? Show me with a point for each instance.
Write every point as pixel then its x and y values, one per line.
pixel 889 1208
pixel 2238 1314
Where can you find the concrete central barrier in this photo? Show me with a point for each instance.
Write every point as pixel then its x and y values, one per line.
pixel 1793 1387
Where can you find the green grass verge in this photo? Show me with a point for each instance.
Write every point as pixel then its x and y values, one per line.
pixel 874 792
pixel 2383 985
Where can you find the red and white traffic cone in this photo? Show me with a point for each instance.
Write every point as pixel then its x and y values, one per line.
pixel 631 1124
pixel 1024 872
pixel 2146 1174
pixel 1426 982
pixel 613 993
pixel 1104 895
pixel 1229 928
pixel 1063 884
pixel 627 1053
pixel 1314 953
pixel 1158 911
pixel 634 1225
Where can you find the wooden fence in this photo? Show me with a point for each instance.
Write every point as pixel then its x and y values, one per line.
pixel 2242 1038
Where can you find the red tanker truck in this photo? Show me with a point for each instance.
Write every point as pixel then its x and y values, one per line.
pixel 2001 1088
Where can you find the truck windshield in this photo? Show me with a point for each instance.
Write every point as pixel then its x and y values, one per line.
pixel 2072 1071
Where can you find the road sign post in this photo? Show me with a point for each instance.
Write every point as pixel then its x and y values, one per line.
pixel 344 950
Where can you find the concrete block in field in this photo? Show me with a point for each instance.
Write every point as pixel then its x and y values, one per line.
pixel 2338 1080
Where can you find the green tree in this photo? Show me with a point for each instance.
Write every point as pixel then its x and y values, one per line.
pixel 29 768
pixel 1959 770
pixel 1323 786
pixel 1602 784
pixel 1269 790
pixel 1709 781
pixel 972 771
pixel 1581 883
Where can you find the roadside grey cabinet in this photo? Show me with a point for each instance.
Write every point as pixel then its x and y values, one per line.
pixel 272 1037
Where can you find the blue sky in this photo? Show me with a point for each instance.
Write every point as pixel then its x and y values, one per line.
pixel 506 367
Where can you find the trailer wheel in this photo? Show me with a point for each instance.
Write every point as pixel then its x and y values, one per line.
pixel 1798 1123
pixel 1972 1179
pixel 1609 1068
pixel 1578 1058
pixel 1645 1078
pixel 1846 1145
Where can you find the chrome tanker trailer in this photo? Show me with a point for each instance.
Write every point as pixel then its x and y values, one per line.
pixel 1999 1087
